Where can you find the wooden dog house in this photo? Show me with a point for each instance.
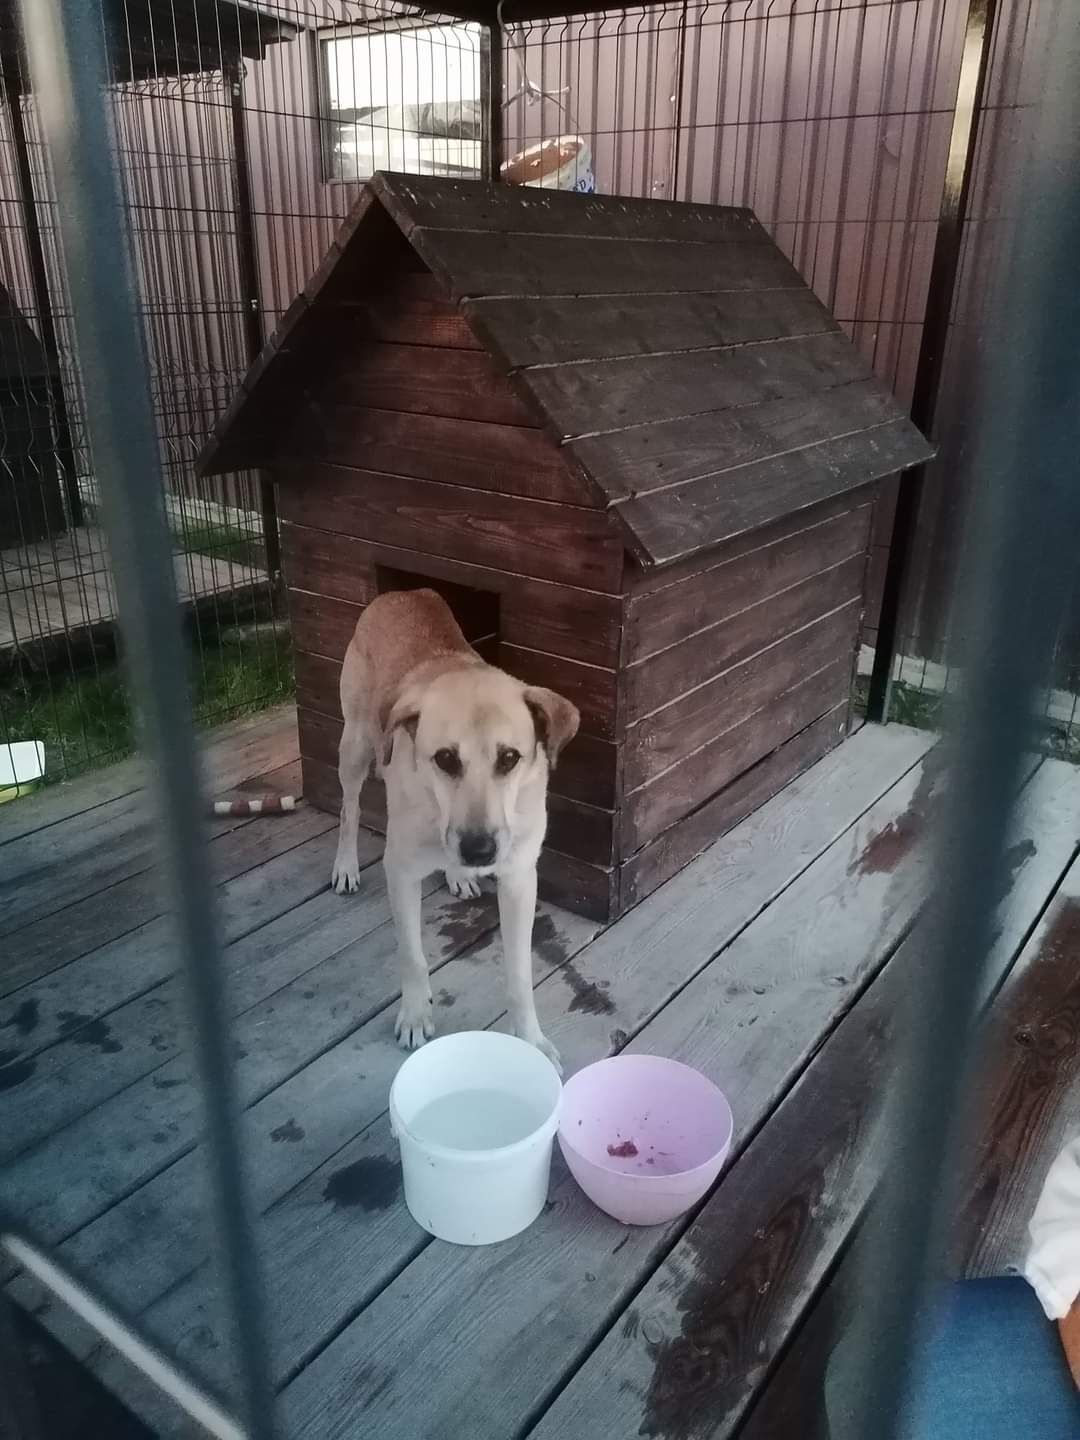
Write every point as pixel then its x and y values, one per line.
pixel 634 452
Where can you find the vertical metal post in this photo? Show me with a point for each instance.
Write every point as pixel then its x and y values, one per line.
pixel 492 59
pixel 67 65
pixel 254 336
pixel 39 281
pixel 1022 554
pixel 955 200
pixel 19 1418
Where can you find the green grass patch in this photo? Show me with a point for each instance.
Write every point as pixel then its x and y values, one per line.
pixel 909 706
pixel 85 720
pixel 221 541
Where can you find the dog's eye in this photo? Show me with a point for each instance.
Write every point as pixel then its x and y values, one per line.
pixel 448 761
pixel 506 761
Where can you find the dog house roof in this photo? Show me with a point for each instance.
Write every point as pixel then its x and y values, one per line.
pixel 688 371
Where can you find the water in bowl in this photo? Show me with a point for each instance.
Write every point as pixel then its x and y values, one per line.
pixel 476 1120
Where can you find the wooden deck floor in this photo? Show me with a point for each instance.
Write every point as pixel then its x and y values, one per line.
pixel 774 963
pixel 64 587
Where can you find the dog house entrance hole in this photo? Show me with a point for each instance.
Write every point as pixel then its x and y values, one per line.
pixel 476 611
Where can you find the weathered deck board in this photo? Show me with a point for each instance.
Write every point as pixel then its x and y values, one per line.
pixel 154 1238
pixel 231 754
pixel 56 940
pixel 1027 1096
pixel 775 962
pixel 121 970
pixel 575 1262
pixel 72 1077
pixel 50 873
pixel 706 1330
pixel 628 970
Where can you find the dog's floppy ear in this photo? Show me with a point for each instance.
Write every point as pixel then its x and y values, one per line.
pixel 556 720
pixel 404 714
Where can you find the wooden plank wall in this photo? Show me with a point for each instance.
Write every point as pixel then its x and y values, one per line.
pixel 442 476
pixel 738 671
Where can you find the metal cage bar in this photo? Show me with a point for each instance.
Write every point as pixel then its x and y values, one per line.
pixel 65 49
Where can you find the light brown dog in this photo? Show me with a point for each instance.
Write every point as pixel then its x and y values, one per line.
pixel 465 751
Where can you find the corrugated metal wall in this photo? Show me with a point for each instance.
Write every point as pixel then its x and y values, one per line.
pixel 831 118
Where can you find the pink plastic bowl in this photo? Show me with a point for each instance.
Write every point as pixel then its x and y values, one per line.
pixel 644 1137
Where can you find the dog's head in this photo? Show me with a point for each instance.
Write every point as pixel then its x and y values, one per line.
pixel 482 744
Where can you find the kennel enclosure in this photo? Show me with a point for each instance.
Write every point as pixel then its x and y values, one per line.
pixel 636 453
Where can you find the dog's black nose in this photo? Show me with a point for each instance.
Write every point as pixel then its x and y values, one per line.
pixel 477 847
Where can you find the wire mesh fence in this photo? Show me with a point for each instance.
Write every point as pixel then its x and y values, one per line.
pixel 244 131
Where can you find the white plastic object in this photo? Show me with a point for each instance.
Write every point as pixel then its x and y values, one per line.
pixel 21 762
pixel 475 1116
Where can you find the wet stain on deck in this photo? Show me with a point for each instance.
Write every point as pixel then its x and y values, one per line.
pixel 887 847
pixel 88 1030
pixel 446 999
pixel 719 1304
pixel 468 920
pixel 372 1183
pixel 590 996
pixel 1016 857
pixel 548 943
pixel 24 1018
pixel 290 1131
pixel 14 1071
pixel 162 1084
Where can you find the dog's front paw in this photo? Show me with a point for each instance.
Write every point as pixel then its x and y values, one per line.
pixel 414 1024
pixel 345 877
pixel 461 885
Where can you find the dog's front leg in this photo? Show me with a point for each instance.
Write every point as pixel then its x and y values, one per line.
pixel 517 907
pixel 414 1022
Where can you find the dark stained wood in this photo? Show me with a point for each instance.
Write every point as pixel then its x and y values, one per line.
pixel 592 690
pixel 642 580
pixel 548 542
pixel 584 889
pixel 526 331
pixel 588 771
pixel 1026 1091
pixel 652 808
pixel 658 618
pixel 322 625
pixel 650 457
pixel 318 680
pixel 423 201
pixel 415 311
pixel 677 846
pixel 670 524
pixel 664 676
pixel 683 727
pixel 610 395
pixel 579 624
pixel 509 458
pixel 471 263
pixel 327 564
pixel 421 380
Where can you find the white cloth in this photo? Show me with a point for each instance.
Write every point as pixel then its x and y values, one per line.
pixel 1053 1263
